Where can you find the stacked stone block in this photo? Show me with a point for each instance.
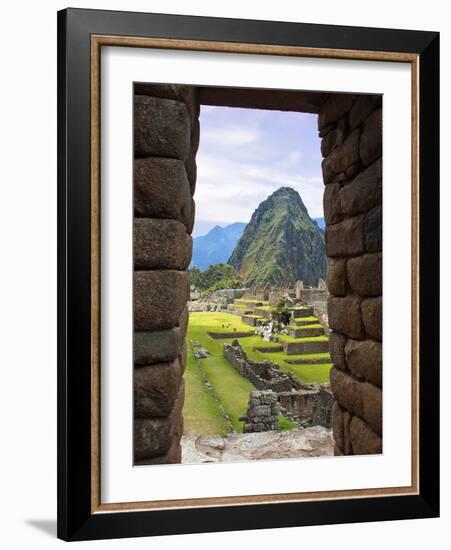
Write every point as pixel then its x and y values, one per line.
pixel 166 137
pixel 351 130
pixel 264 375
pixel 262 412
pixel 323 410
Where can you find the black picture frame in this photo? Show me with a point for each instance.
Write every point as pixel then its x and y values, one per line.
pixel 75 518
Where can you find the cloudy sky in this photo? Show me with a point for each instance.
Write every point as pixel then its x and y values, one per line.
pixel 246 154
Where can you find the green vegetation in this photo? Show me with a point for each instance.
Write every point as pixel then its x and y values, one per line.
pixel 286 424
pixel 202 411
pixel 241 307
pixel 325 357
pixel 232 390
pixel 269 250
pixel 215 277
pixel 311 373
pixel 281 312
pixel 286 338
pixel 206 321
pixel 311 318
pixel 308 374
pixel 252 316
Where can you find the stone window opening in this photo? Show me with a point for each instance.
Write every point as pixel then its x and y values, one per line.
pixel 166 138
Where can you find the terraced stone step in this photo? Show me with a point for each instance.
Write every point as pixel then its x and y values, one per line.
pixel 309 346
pixel 303 321
pixel 225 335
pixel 249 303
pixel 238 310
pixel 239 307
pixel 306 361
pixel 305 332
pixel 299 312
pixel 269 349
pixel 250 320
pixel 263 312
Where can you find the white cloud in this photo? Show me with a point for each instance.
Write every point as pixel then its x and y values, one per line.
pixel 294 157
pixel 245 155
pixel 231 135
pixel 230 190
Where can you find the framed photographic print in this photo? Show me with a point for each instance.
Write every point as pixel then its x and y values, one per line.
pixel 248 274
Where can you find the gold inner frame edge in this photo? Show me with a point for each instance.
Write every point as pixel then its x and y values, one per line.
pixel 97 41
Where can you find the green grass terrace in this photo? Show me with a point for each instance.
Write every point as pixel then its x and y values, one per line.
pixel 216 394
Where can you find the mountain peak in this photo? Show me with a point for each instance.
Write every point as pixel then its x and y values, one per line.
pixel 285 190
pixel 214 229
pixel 281 244
pixel 288 194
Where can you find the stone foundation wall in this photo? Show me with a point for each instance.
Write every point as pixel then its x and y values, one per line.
pixel 312 295
pixel 261 413
pixel 166 137
pixel 351 130
pixel 263 376
pixel 257 294
pixel 276 294
pixel 296 400
pixel 317 298
pixel 322 414
pixel 312 401
pixel 301 403
pixel 226 296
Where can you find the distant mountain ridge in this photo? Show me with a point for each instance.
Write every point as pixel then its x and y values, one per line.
pixel 320 222
pixel 216 246
pixel 281 244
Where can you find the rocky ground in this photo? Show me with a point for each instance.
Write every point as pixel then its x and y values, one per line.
pixel 309 442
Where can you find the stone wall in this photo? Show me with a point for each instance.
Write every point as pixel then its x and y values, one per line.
pixel 227 295
pixel 276 294
pixel 297 401
pixel 323 410
pixel 351 130
pixel 257 294
pixel 261 413
pixel 317 298
pixel 301 403
pixel 166 137
pixel 263 376
pixel 311 295
pixel 312 401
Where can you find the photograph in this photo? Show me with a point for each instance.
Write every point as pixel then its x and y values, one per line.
pixel 248 265
pixel 257 256
pixel 225 280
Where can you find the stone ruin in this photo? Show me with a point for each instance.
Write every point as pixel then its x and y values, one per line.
pixel 315 297
pixel 306 404
pixel 217 300
pixel 323 410
pixel 262 412
pixel 198 351
pixel 225 296
pixel 263 376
